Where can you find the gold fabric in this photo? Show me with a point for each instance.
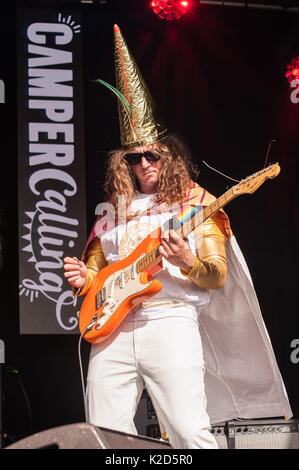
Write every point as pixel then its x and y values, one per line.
pixel 210 267
pixel 145 127
pixel 95 261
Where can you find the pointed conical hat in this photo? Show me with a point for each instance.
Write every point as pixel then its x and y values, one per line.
pixel 144 126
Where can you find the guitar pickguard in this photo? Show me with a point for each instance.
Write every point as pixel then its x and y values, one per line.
pixel 118 287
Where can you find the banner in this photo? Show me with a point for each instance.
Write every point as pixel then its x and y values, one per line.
pixel 51 169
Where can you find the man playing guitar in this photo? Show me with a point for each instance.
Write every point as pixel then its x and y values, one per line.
pixel 191 345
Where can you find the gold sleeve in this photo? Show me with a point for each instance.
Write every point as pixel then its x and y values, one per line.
pixel 210 268
pixel 95 261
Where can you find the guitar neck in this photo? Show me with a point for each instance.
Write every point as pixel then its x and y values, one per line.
pixel 195 216
pixel 201 214
pixel 152 258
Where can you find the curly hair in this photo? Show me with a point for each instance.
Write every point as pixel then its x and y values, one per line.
pixel 176 173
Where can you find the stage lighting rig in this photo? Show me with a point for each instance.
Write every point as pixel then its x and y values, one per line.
pixel 170 10
pixel 292 70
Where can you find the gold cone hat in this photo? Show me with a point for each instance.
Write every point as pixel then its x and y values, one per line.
pixel 143 126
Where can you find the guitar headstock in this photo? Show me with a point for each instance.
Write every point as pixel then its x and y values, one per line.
pixel 253 182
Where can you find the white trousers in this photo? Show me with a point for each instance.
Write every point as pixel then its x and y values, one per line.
pixel 163 355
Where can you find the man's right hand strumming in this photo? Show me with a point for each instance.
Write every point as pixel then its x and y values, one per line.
pixel 74 272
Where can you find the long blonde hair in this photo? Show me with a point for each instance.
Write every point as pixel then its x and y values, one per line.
pixel 175 176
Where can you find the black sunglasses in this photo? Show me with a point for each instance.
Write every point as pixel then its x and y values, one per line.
pixel 135 158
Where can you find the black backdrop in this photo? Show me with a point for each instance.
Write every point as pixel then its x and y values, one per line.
pixel 217 76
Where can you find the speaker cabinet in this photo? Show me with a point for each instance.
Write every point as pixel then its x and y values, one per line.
pixel 86 436
pixel 258 434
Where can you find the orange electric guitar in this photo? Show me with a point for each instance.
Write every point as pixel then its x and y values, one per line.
pixel 123 285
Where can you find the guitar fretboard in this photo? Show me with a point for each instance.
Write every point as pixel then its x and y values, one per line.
pixel 183 229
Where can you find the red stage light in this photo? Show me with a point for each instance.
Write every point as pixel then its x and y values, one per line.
pixel 292 70
pixel 170 9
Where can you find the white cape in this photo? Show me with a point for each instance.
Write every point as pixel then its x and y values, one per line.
pixel 239 359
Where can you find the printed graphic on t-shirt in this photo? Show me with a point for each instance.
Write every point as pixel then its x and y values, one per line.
pixel 132 237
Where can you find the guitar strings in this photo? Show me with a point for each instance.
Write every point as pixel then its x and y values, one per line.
pixel 267 155
pixel 220 173
pixel 233 179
